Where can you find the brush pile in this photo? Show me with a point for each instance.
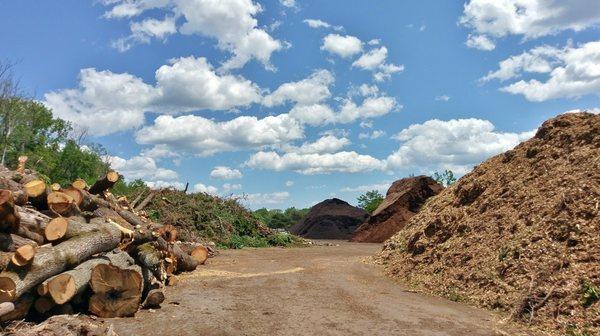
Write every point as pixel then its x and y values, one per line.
pixel 520 233
pixel 68 249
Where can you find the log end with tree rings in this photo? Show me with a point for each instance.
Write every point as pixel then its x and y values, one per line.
pixel 117 292
pixel 61 203
pixel 35 188
pixel 62 288
pixel 8 289
pixel 23 255
pixel 56 229
pixel 79 184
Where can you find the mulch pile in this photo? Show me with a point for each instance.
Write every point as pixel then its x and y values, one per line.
pixel 402 201
pixel 520 233
pixel 330 219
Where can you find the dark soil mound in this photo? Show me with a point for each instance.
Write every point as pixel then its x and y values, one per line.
pixel 402 201
pixel 521 233
pixel 330 219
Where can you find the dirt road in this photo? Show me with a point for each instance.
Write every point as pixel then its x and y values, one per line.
pixel 322 290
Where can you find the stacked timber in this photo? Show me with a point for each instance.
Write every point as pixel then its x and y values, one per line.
pixel 78 248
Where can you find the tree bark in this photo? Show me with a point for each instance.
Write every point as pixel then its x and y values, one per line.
pixel 145 202
pixel 33 220
pixel 50 261
pixel 196 250
pixel 113 215
pixel 24 255
pixel 152 259
pixel 9 217
pixel 10 242
pixel 104 183
pixel 65 286
pixel 185 262
pixel 67 228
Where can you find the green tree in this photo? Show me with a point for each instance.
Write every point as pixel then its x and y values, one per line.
pixel 370 200
pixel 446 178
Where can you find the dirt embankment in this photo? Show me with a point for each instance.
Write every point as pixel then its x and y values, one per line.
pixel 402 201
pixel 330 219
pixel 521 233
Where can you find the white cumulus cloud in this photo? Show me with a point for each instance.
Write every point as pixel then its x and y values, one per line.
pixel 225 173
pixel 343 46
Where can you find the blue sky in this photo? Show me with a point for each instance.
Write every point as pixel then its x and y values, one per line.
pixel 291 102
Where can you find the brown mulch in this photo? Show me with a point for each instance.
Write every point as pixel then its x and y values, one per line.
pixel 520 233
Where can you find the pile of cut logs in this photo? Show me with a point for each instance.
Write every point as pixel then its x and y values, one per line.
pixel 77 248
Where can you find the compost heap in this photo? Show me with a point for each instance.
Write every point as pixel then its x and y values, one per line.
pixel 520 233
pixel 330 219
pixel 402 201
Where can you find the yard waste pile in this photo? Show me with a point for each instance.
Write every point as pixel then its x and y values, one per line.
pixel 402 201
pixel 520 233
pixel 78 248
pixel 330 219
pixel 204 218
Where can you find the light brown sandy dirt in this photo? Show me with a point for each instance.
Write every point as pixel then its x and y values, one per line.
pixel 320 290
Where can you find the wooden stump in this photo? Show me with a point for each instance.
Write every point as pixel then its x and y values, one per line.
pixel 196 250
pixel 23 255
pixel 62 204
pixel 37 191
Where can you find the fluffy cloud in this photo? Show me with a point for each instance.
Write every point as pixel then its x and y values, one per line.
pixel 190 83
pixel 326 144
pixel 225 173
pixel 316 24
pixel 289 183
pixel 343 46
pixel 288 3
pixel 145 168
pixel 228 188
pixel 107 102
pixel 373 135
pixel 374 60
pixel 442 98
pixel 381 187
pixel 144 31
pixel 528 18
pixel 572 72
pixel 200 136
pixel 232 23
pixel 207 189
pixel 268 198
pixel 320 114
pixel 456 144
pixel 345 162
pixel 310 90
pixel 480 42
pixel 104 103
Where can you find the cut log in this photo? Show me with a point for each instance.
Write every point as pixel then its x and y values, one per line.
pixel 50 261
pixel 76 195
pixel 65 286
pixel 145 202
pixel 79 184
pixel 22 306
pixel 21 166
pixel 168 233
pixel 66 228
pixel 152 259
pixel 9 217
pixel 62 204
pixel 185 262
pixel 117 291
pixel 19 195
pixel 6 307
pixel 43 305
pixel 153 290
pixel 197 251
pixel 23 255
pixel 154 298
pixel 112 215
pixel 10 242
pixel 5 258
pixel 24 232
pixel 33 220
pixel 104 183
pixel 55 187
pixel 37 191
